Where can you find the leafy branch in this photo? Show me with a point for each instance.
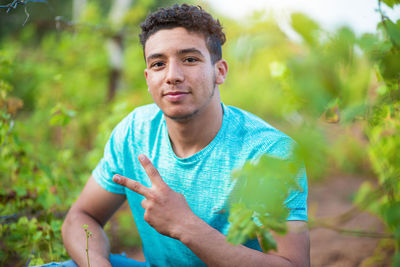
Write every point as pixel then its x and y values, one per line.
pixel 360 233
pixel 8 219
pixel 14 4
pixel 256 202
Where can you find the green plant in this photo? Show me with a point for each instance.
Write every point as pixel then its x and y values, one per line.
pixel 88 234
pixel 330 81
pixel 257 200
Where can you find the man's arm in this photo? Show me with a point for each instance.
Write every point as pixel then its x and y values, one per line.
pixel 94 207
pixel 295 245
pixel 168 212
pixel 211 246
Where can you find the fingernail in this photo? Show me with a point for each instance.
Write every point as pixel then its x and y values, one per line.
pixel 117 179
pixel 142 157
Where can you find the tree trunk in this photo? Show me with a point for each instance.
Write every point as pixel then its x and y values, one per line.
pixel 78 7
pixel 115 45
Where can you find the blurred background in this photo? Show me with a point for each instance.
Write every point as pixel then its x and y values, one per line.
pixel 324 72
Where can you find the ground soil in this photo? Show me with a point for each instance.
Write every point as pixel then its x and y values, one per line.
pixel 330 198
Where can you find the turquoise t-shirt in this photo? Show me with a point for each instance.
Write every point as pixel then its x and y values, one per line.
pixel 203 178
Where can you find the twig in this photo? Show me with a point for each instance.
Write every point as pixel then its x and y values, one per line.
pixel 350 214
pixel 8 132
pixel 15 3
pixel 361 233
pixel 27 16
pixel 354 211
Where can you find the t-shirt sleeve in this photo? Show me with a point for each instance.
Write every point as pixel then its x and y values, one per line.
pixel 297 199
pixel 113 159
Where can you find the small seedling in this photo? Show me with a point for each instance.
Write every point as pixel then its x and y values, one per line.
pixel 88 234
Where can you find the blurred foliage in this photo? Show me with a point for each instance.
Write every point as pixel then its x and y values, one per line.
pixel 335 93
pixel 254 212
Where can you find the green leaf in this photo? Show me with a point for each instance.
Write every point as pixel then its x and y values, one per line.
pixel 371 44
pixel 390 66
pixel 391 3
pixel 391 213
pixel 61 115
pixel 59 120
pixel 55 226
pixel 37 261
pixel 306 27
pixel 396 259
pixel 267 241
pixel 37 236
pixel 393 30
pixel 258 199
pixel 278 226
pixel 242 226
pixel 352 112
pixel 20 190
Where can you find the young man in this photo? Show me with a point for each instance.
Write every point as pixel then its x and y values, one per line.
pixel 172 160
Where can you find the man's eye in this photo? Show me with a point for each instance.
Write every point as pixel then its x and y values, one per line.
pixel 157 65
pixel 191 60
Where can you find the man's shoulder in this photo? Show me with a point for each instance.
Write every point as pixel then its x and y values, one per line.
pixel 138 119
pixel 141 115
pixel 146 112
pixel 256 134
pixel 246 121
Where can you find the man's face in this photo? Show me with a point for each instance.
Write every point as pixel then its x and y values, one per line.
pixel 179 74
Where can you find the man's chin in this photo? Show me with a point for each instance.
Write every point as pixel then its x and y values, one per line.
pixel 181 116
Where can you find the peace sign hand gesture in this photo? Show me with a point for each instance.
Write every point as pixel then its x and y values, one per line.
pixel 165 210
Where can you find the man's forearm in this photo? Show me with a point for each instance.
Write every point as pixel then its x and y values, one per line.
pixel 213 249
pixel 75 241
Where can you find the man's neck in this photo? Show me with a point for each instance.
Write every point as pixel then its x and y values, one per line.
pixel 189 137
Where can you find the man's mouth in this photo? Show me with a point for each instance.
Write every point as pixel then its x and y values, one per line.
pixel 175 96
pixel 175 93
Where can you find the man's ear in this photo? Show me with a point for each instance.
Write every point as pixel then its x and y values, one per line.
pixel 146 75
pixel 221 70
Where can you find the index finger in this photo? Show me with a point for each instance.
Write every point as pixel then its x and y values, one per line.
pixel 151 171
pixel 132 185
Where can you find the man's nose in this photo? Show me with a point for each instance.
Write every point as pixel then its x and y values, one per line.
pixel 175 73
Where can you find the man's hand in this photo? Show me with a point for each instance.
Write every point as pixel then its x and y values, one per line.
pixel 165 210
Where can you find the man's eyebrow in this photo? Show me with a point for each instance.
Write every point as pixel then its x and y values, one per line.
pixel 154 56
pixel 190 50
pixel 180 52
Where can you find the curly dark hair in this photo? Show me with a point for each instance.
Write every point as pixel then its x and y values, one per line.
pixel 193 19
